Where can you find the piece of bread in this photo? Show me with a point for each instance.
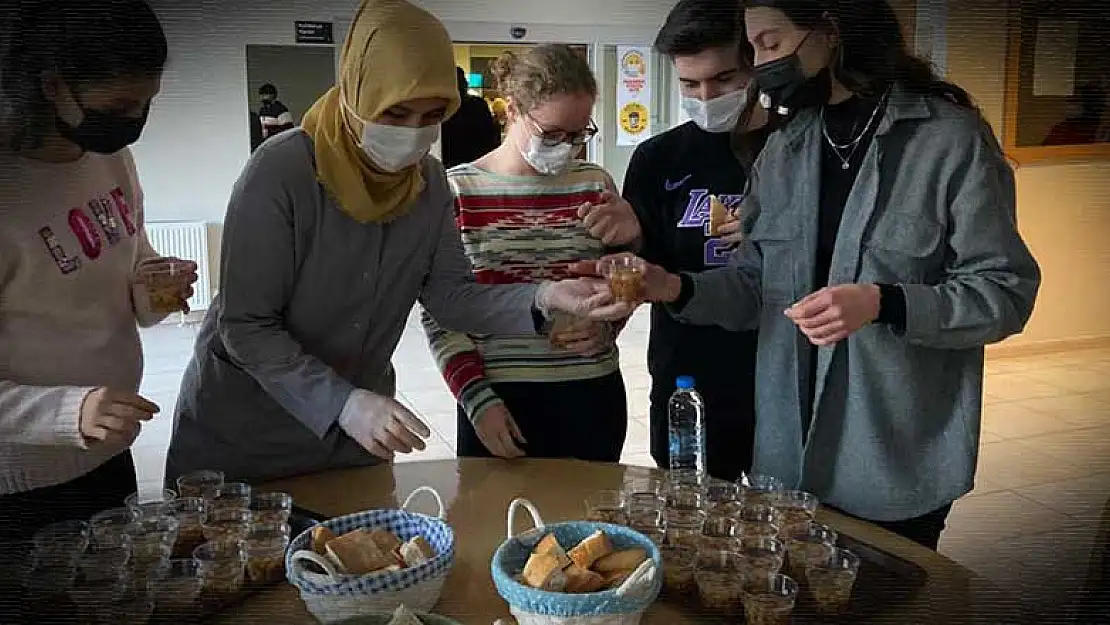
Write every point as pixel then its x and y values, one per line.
pixel 387 541
pixel 542 571
pixel 550 545
pixel 356 553
pixel 320 537
pixel 613 579
pixel 718 216
pixel 591 549
pixel 404 617
pixel 580 580
pixel 416 551
pixel 626 560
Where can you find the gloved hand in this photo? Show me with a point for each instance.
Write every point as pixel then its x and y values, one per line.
pixel 381 424
pixel 581 297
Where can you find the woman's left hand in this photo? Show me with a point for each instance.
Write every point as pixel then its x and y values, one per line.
pixel 833 313
pixel 611 221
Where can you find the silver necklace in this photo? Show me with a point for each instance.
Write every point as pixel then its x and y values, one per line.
pixel 853 145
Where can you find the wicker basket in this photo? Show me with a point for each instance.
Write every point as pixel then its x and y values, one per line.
pixel 332 597
pixel 624 605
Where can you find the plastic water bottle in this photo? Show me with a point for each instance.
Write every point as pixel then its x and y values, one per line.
pixel 686 426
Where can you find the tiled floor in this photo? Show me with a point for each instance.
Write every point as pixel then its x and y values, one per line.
pixel 1030 524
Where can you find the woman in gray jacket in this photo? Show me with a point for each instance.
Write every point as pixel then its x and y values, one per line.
pixel 881 256
pixel 333 231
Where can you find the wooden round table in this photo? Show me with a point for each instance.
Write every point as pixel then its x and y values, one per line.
pixel 477 495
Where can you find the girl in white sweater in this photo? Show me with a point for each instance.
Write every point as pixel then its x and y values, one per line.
pixel 78 78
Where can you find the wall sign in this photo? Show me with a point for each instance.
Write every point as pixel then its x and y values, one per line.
pixel 633 94
pixel 319 33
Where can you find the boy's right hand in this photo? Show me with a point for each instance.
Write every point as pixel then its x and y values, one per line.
pixel 114 416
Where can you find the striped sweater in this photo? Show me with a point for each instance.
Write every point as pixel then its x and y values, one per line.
pixel 518 229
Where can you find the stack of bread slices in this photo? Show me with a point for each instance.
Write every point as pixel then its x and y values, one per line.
pixel 363 551
pixel 590 566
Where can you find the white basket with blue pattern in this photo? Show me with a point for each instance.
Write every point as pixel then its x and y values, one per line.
pixel 332 597
pixel 624 605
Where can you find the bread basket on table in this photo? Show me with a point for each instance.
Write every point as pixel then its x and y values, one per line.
pixel 331 596
pixel 623 605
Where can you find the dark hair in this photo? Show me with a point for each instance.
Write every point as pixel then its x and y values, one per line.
pixel 84 42
pixel 267 89
pixel 694 26
pixel 873 53
pixel 460 77
pixel 1092 97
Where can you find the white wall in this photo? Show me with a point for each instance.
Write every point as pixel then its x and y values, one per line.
pixel 198 137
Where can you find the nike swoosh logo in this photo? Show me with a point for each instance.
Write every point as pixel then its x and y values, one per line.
pixel 671 186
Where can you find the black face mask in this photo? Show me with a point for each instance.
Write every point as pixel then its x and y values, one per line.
pixel 784 87
pixel 103 133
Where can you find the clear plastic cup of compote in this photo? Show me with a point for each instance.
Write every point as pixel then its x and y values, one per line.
pixel 814 544
pixel 762 556
pixel 607 506
pixel 719 580
pixel 769 600
pixel 831 581
pixel 679 562
pixel 758 488
pixel 798 509
pixel 684 527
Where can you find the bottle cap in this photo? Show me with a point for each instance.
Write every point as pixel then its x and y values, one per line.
pixel 684 382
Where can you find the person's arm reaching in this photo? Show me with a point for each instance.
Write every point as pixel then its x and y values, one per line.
pixel 992 279
pixel 461 365
pixel 257 279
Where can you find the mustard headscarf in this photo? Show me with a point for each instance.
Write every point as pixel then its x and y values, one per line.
pixel 395 52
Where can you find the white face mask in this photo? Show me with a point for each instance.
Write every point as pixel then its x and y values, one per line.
pixel 546 159
pixel 719 114
pixel 394 148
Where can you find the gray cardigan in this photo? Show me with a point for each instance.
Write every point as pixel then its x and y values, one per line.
pixel 895 432
pixel 312 305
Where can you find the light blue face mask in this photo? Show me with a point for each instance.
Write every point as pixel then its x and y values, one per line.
pixel 719 114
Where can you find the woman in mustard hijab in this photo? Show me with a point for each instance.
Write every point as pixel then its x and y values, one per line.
pixel 332 232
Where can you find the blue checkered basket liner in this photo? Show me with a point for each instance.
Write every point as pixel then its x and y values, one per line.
pixel 405 525
pixel 510 557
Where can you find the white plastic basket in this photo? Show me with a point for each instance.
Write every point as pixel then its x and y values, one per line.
pixel 624 605
pixel 332 597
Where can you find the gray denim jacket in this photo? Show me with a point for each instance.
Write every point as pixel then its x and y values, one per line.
pixel 895 427
pixel 312 305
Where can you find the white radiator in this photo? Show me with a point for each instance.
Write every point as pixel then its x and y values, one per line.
pixel 187 240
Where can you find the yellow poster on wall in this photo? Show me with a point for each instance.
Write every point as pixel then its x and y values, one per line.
pixel 633 94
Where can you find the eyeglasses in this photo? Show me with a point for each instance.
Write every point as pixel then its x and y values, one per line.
pixel 552 138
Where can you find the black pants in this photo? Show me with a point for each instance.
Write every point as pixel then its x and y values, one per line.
pixel 729 425
pixel 582 419
pixel 23 514
pixel 924 530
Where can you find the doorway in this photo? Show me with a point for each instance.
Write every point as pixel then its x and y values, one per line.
pixel 299 74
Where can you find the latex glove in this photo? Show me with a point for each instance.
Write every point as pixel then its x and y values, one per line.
pixel 381 425
pixel 612 220
pixel 581 297
pixel 498 431
pixel 109 416
pixel 834 313
pixel 659 285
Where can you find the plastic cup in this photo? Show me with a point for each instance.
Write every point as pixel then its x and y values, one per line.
pixel 149 504
pixel 271 507
pixel 626 277
pixel 758 488
pixel 686 497
pixel 103 563
pixel 265 551
pixel 177 588
pixel 719 580
pixel 798 509
pixel 191 513
pixel 653 484
pixel 769 600
pixel 684 527
pixel 722 491
pixel 679 563
pixel 163 287
pixel 236 495
pixel 221 565
pixel 812 545
pixel 205 484
pixel 60 544
pixel 227 523
pixel 607 506
pixel 762 556
pixel 831 581
pixel 720 533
